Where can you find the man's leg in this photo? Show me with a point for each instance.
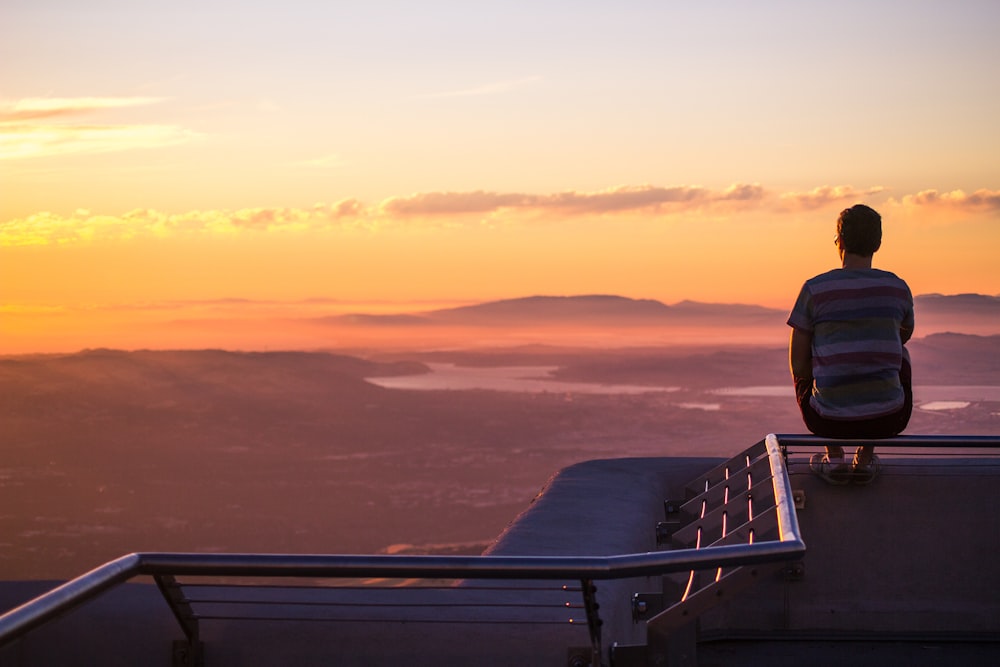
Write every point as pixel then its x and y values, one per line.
pixel 863 456
pixel 813 421
pixel 892 425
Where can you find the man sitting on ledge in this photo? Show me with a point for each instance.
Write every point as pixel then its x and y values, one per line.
pixel 850 367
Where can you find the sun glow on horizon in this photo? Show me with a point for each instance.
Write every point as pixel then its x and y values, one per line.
pixel 653 151
pixel 147 278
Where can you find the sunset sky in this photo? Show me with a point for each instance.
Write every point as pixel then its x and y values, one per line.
pixel 245 162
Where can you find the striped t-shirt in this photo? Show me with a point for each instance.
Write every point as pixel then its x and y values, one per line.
pixel 855 316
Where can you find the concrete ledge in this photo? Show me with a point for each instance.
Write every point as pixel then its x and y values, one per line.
pixel 599 508
pixel 604 507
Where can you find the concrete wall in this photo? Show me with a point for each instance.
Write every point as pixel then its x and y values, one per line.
pixel 912 554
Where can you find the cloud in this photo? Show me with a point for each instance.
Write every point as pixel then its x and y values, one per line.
pixel 744 192
pixel 29 128
pixel 83 226
pixel 980 200
pixel 351 214
pixel 622 199
pixel 824 196
pixel 48 107
pixel 452 203
pixel 647 203
pixel 18 142
pixel 650 198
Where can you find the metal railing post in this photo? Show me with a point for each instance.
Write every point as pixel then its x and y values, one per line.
pixel 190 654
pixel 593 619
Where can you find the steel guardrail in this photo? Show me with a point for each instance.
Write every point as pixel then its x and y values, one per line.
pixel 916 441
pixel 72 594
pixel 93 583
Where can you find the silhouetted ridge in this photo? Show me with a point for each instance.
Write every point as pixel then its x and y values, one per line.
pixel 365 319
pixel 551 309
pixel 612 310
pixel 964 304
pixel 592 309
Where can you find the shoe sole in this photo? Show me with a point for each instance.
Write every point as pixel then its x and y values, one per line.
pixel 867 475
pixel 817 466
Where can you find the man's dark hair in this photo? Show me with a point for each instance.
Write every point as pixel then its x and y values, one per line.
pixel 859 230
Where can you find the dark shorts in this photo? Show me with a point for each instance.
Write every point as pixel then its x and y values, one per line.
pixel 885 426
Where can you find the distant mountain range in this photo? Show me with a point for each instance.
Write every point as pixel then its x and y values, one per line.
pixel 602 309
pixel 570 310
pixel 961 304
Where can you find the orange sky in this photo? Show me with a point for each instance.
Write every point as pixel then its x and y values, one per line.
pixel 172 172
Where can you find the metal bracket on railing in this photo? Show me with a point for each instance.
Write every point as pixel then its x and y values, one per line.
pixel 186 653
pixel 183 656
pixel 665 529
pixel 795 571
pixel 646 605
pixel 593 619
pixel 628 655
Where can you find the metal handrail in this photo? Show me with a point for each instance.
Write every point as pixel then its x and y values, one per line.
pixel 921 441
pixel 73 593
pixel 93 583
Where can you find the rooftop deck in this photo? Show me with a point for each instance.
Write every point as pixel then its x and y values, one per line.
pixel 901 569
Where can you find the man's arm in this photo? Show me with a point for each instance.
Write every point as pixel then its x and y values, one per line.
pixel 800 354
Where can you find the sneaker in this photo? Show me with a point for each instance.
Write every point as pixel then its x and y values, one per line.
pixel 865 474
pixel 834 471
